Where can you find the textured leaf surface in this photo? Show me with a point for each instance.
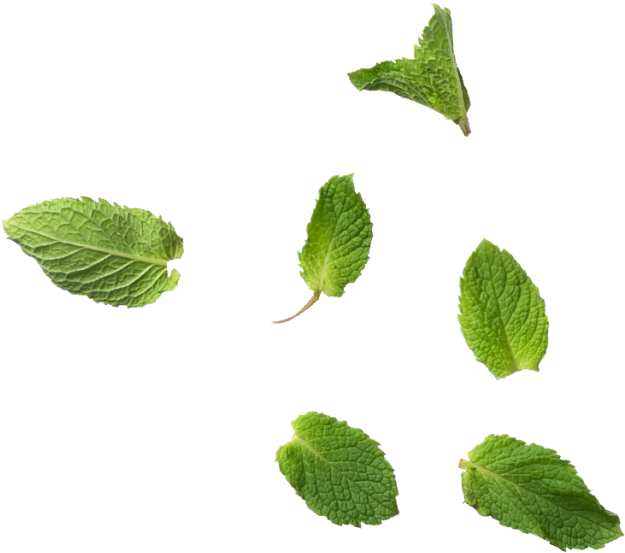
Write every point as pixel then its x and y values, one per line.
pixel 529 488
pixel 432 78
pixel 112 254
pixel 339 236
pixel 339 471
pixel 502 315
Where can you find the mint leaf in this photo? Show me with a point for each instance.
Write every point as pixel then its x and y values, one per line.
pixel 112 254
pixel 432 78
pixel 529 488
pixel 339 235
pixel 502 315
pixel 339 471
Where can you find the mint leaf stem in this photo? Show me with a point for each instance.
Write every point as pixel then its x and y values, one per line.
pixel 314 299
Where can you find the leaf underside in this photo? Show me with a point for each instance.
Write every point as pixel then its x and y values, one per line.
pixel 112 254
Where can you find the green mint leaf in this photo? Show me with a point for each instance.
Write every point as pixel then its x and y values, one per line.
pixel 339 471
pixel 432 78
pixel 502 315
pixel 112 254
pixel 529 488
pixel 339 236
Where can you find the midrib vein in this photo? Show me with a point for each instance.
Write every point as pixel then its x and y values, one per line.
pixel 514 484
pixel 325 263
pixel 450 39
pixel 491 473
pixel 503 326
pixel 317 454
pixel 152 261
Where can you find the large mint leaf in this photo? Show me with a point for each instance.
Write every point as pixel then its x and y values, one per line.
pixel 339 471
pixel 339 235
pixel 432 78
pixel 112 254
pixel 502 315
pixel 530 488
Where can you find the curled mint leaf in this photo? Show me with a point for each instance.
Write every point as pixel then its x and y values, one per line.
pixel 112 254
pixel 530 488
pixel 502 315
pixel 432 78
pixel 339 471
pixel 339 236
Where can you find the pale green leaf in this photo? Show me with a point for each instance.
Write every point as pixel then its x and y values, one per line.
pixel 530 488
pixel 502 315
pixel 339 471
pixel 339 236
pixel 432 78
pixel 112 254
